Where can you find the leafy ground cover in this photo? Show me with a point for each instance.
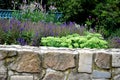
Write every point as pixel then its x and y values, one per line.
pixel 90 40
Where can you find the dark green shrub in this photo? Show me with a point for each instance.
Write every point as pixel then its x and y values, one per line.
pixel 108 15
pixel 74 10
pixel 105 13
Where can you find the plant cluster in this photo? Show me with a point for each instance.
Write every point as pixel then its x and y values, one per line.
pixel 36 13
pixel 29 33
pixel 16 32
pixel 90 40
pixel 114 42
pixel 108 14
pixel 36 16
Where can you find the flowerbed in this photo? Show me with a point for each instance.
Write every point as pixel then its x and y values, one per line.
pixel 29 33
pixel 49 34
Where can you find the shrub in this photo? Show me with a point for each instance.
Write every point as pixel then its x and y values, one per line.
pixel 116 33
pixel 108 14
pixel 74 10
pixel 90 40
pixel 35 16
pixel 9 31
pixel 105 13
pixel 29 33
pixel 114 42
pixel 16 32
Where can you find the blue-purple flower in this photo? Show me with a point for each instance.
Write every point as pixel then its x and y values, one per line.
pixel 21 41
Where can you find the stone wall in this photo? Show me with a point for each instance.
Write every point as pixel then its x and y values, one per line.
pixel 49 63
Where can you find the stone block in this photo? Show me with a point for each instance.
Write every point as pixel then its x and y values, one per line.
pixel 101 74
pixel 100 79
pixel 3 71
pixel 117 77
pixel 59 60
pixel 115 71
pixel 103 60
pixel 85 61
pixel 17 77
pixel 6 53
pixel 27 62
pixel 74 75
pixel 3 77
pixel 115 60
pixel 54 75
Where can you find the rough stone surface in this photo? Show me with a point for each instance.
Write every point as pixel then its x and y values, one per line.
pixel 116 60
pixel 116 77
pixel 115 71
pixel 74 75
pixel 58 61
pixel 10 73
pixel 101 74
pixel 85 62
pixel 3 77
pixel 27 62
pixel 3 71
pixel 39 76
pixel 100 79
pixel 54 75
pixel 2 54
pixel 17 77
pixel 103 60
pixel 5 53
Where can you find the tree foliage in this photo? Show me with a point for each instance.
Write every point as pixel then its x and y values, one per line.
pixel 107 13
pixel 73 10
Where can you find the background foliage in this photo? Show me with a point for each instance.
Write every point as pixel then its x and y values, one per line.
pixel 105 14
pixel 35 16
pixel 108 14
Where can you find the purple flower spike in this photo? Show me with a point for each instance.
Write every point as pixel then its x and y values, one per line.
pixel 21 29
pixel 19 23
pixel 71 23
pixel 118 40
pixel 36 35
pixel 21 41
pixel 10 27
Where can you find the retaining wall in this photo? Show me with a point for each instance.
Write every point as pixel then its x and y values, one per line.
pixel 49 63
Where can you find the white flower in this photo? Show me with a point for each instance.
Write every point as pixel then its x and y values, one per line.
pixel 52 7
